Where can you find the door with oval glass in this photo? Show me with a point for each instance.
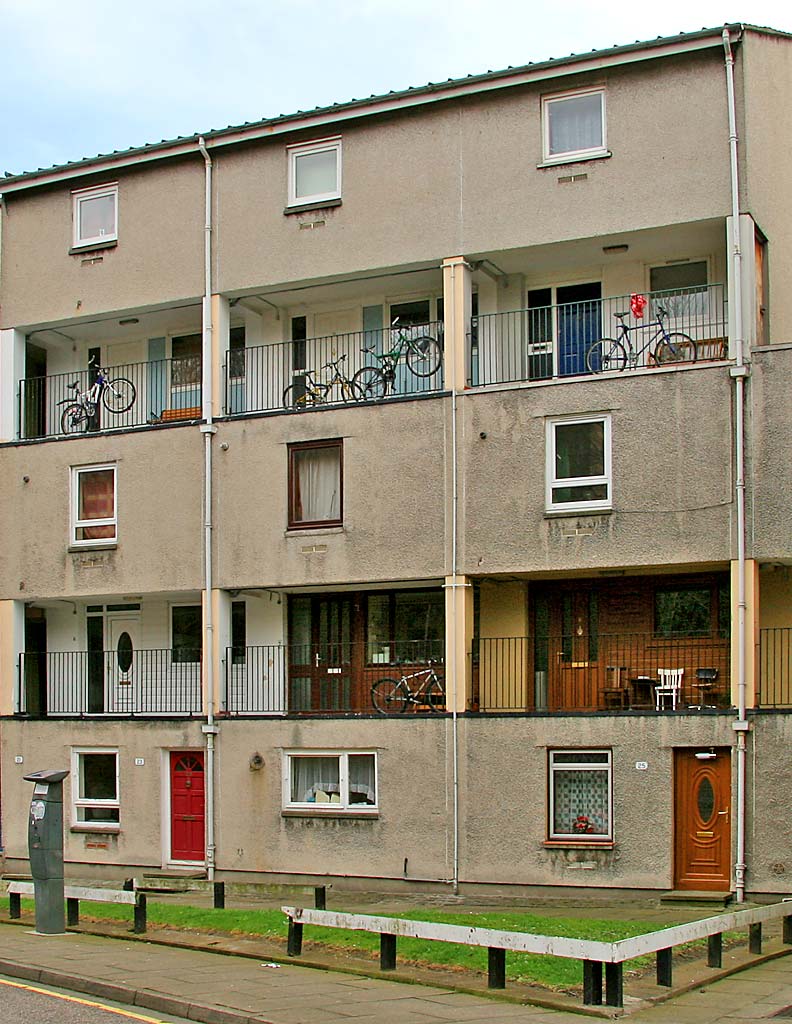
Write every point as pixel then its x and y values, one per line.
pixel 702 819
pixel 123 638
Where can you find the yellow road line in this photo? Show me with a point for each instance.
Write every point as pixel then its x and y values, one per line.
pixel 82 1002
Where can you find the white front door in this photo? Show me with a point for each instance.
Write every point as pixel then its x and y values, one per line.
pixel 123 669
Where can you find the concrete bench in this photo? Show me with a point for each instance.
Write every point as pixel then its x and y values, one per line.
pixel 594 955
pixel 75 893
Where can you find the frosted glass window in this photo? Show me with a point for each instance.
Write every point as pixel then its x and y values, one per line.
pixel 315 172
pixel 574 125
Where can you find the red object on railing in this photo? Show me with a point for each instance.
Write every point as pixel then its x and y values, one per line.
pixel 637 305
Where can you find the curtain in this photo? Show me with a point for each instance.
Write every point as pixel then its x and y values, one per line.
pixel 576 124
pixel 315 780
pixel 362 781
pixel 317 495
pixel 96 501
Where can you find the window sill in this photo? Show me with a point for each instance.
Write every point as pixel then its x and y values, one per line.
pixel 99 828
pixel 562 161
pixel 83 548
pixel 322 204
pixel 574 513
pixel 293 812
pixel 579 844
pixel 77 250
pixel 313 531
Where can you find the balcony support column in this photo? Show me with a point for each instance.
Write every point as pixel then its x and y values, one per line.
pixel 751 629
pixel 458 641
pixel 221 600
pixel 457 306
pixel 12 371
pixel 12 644
pixel 221 319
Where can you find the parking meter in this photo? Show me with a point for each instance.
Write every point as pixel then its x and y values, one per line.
pixel 45 847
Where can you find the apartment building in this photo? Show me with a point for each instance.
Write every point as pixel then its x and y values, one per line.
pixel 296 406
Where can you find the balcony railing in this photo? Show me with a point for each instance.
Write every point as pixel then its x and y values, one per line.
pixel 775 668
pixel 551 342
pixel 591 673
pixel 257 378
pixel 319 678
pixel 163 390
pixel 155 682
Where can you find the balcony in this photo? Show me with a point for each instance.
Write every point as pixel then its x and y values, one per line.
pixel 302 679
pixel 118 683
pixel 392 363
pixel 594 673
pixel 553 342
pixel 775 668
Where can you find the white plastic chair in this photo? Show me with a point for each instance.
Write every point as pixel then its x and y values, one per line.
pixel 670 686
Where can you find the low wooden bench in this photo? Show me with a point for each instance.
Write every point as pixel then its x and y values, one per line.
pixel 193 412
pixel 75 893
pixel 593 954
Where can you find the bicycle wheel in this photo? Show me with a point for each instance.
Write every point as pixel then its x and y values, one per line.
pixel 390 696
pixel 370 382
pixel 606 354
pixel 676 348
pixel 74 419
pixel 434 695
pixel 351 391
pixel 119 395
pixel 297 398
pixel 423 356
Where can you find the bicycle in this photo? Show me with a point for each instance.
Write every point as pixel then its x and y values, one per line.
pixel 117 395
pixel 614 354
pixel 421 353
pixel 314 392
pixel 391 696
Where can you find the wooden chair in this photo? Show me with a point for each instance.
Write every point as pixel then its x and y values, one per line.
pixel 670 686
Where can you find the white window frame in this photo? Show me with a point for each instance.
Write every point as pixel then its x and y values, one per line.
pixel 552 768
pixel 305 149
pixel 78 801
pixel 77 523
pixel 573 154
pixel 83 195
pixel 552 482
pixel 344 805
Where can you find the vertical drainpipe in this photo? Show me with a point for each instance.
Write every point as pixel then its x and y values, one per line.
pixel 208 429
pixel 454 616
pixel 739 373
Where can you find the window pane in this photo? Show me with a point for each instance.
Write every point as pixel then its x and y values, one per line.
pixel 315 174
pixel 362 779
pixel 95 500
pixel 97 216
pixel 315 780
pixel 575 124
pixel 580 757
pixel 98 780
pixel 580 802
pixel 580 450
pixel 238 632
pixel 316 485
pixel 186 355
pixel 236 353
pixel 186 641
pixel 592 492
pixel 378 628
pixel 419 627
pixel 682 612
pixel 687 285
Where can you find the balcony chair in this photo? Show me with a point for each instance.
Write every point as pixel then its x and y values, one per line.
pixel 670 686
pixel 705 684
pixel 617 694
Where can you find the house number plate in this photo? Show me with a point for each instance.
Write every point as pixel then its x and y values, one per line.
pixel 641 766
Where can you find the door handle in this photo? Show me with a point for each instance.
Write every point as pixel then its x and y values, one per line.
pixel 316 659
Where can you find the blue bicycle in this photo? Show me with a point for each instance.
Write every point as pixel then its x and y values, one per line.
pixel 666 346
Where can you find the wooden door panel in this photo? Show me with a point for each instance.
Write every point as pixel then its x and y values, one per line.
pixel 702 820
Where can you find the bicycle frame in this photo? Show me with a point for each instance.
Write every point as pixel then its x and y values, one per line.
pixel 624 331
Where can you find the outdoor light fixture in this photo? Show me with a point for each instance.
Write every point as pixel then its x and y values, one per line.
pixel 706 755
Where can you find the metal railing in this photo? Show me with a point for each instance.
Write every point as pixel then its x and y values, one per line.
pixel 164 390
pixel 154 682
pixel 775 667
pixel 280 679
pixel 550 342
pixel 256 378
pixel 591 673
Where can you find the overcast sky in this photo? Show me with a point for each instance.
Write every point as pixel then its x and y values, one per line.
pixel 85 77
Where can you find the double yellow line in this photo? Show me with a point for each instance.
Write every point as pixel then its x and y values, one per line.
pixel 83 1002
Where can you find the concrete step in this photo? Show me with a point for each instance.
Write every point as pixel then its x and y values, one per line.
pixel 177 880
pixel 694 898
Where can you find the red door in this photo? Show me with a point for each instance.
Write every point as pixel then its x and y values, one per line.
pixel 187 806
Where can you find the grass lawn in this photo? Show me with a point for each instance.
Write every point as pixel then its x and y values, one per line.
pixel 548 971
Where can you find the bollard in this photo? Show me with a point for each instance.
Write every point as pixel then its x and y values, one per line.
pixel 496 967
pixel 387 952
pixel 72 912
pixel 139 926
pixel 320 897
pixel 294 941
pixel 219 895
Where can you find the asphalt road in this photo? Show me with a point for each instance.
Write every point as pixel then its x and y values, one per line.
pixel 23 1003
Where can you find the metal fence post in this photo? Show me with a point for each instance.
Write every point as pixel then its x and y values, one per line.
pixel 664 967
pixel 139 926
pixel 387 952
pixel 496 967
pixel 715 950
pixel 592 982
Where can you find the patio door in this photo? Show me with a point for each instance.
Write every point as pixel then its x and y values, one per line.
pixel 572 650
pixel 702 819
pixel 187 806
pixel 320 650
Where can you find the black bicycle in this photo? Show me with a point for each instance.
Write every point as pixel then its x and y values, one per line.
pixel 665 346
pixel 421 353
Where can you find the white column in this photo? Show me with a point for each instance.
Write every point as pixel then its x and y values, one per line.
pixel 457 303
pixel 749 289
pixel 12 370
pixel 220 346
pixel 12 644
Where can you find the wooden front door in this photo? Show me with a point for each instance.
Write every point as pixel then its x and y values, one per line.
pixel 188 796
pixel 320 652
pixel 702 819
pixel 573 650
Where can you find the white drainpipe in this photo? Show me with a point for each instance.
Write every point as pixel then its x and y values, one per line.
pixel 739 372
pixel 208 429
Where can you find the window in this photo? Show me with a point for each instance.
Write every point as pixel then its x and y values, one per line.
pixel 690 610
pixel 186 629
pixel 405 626
pixel 186 355
pixel 326 781
pixel 95 215
pixel 682 288
pixel 574 125
pixel 238 632
pixel 95 787
pixel 236 352
pixel 315 484
pixel 579 464
pixel 93 505
pixel 581 795
pixel 315 172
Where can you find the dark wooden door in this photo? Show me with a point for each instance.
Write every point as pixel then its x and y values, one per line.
pixel 573 650
pixel 702 819
pixel 320 652
pixel 188 805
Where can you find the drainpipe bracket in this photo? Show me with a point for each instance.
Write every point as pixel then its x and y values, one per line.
pixel 208 428
pixel 741 726
pixel 210 730
pixel 740 371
